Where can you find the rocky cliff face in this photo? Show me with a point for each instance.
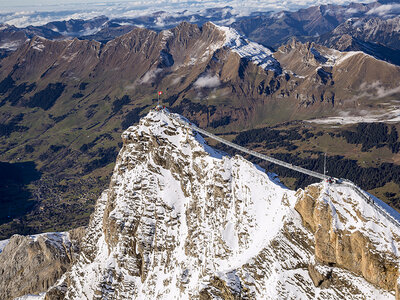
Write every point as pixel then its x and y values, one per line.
pixel 327 74
pixel 181 220
pixel 344 238
pixel 32 264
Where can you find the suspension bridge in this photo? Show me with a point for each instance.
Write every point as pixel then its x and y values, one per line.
pixel 367 197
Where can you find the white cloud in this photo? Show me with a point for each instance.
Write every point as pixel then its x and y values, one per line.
pixel 207 81
pixel 9 45
pixel 381 92
pixel 352 11
pixel 376 90
pixel 383 10
pixel 150 76
pixel 176 80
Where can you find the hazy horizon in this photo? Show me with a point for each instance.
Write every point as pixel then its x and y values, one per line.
pixel 21 13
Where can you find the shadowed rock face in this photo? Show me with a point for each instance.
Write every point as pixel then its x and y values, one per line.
pixel 380 31
pixel 30 265
pixel 374 36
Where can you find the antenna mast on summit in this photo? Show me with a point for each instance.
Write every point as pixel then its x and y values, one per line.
pixel 325 165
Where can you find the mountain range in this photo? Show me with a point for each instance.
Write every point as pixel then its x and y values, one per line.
pixel 372 27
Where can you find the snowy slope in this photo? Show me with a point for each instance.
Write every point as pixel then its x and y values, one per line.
pixel 229 38
pixel 3 243
pixel 255 52
pixel 181 220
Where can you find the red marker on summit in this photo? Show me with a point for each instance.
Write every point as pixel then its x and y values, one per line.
pixel 158 99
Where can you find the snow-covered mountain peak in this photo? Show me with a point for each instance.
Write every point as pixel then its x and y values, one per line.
pixel 160 126
pixel 253 51
pixel 183 221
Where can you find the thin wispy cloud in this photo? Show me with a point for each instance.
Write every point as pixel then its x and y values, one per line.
pixel 207 82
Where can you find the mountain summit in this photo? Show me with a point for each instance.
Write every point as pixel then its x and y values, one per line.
pixel 181 220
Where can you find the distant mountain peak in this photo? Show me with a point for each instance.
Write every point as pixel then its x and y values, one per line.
pixel 252 51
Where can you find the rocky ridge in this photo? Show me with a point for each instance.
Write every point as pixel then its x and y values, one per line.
pixel 181 220
pixel 191 62
pixel 374 36
pixel 382 31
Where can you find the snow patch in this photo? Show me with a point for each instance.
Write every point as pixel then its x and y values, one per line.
pixel 390 114
pixel 346 56
pixel 229 236
pixel 256 53
pixel 41 296
pixel 58 239
pixel 3 244
pixel 38 46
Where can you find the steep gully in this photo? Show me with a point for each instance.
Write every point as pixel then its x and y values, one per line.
pixel 383 209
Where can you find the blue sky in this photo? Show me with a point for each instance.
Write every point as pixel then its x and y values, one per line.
pixel 25 12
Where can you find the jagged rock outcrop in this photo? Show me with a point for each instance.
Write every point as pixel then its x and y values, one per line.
pixel 181 220
pixel 32 264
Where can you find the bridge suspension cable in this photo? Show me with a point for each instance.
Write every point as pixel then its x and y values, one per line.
pixel 389 216
pixel 248 151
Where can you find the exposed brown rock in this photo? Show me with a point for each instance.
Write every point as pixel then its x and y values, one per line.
pixel 319 278
pixel 57 292
pixel 220 290
pixel 32 265
pixel 349 250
